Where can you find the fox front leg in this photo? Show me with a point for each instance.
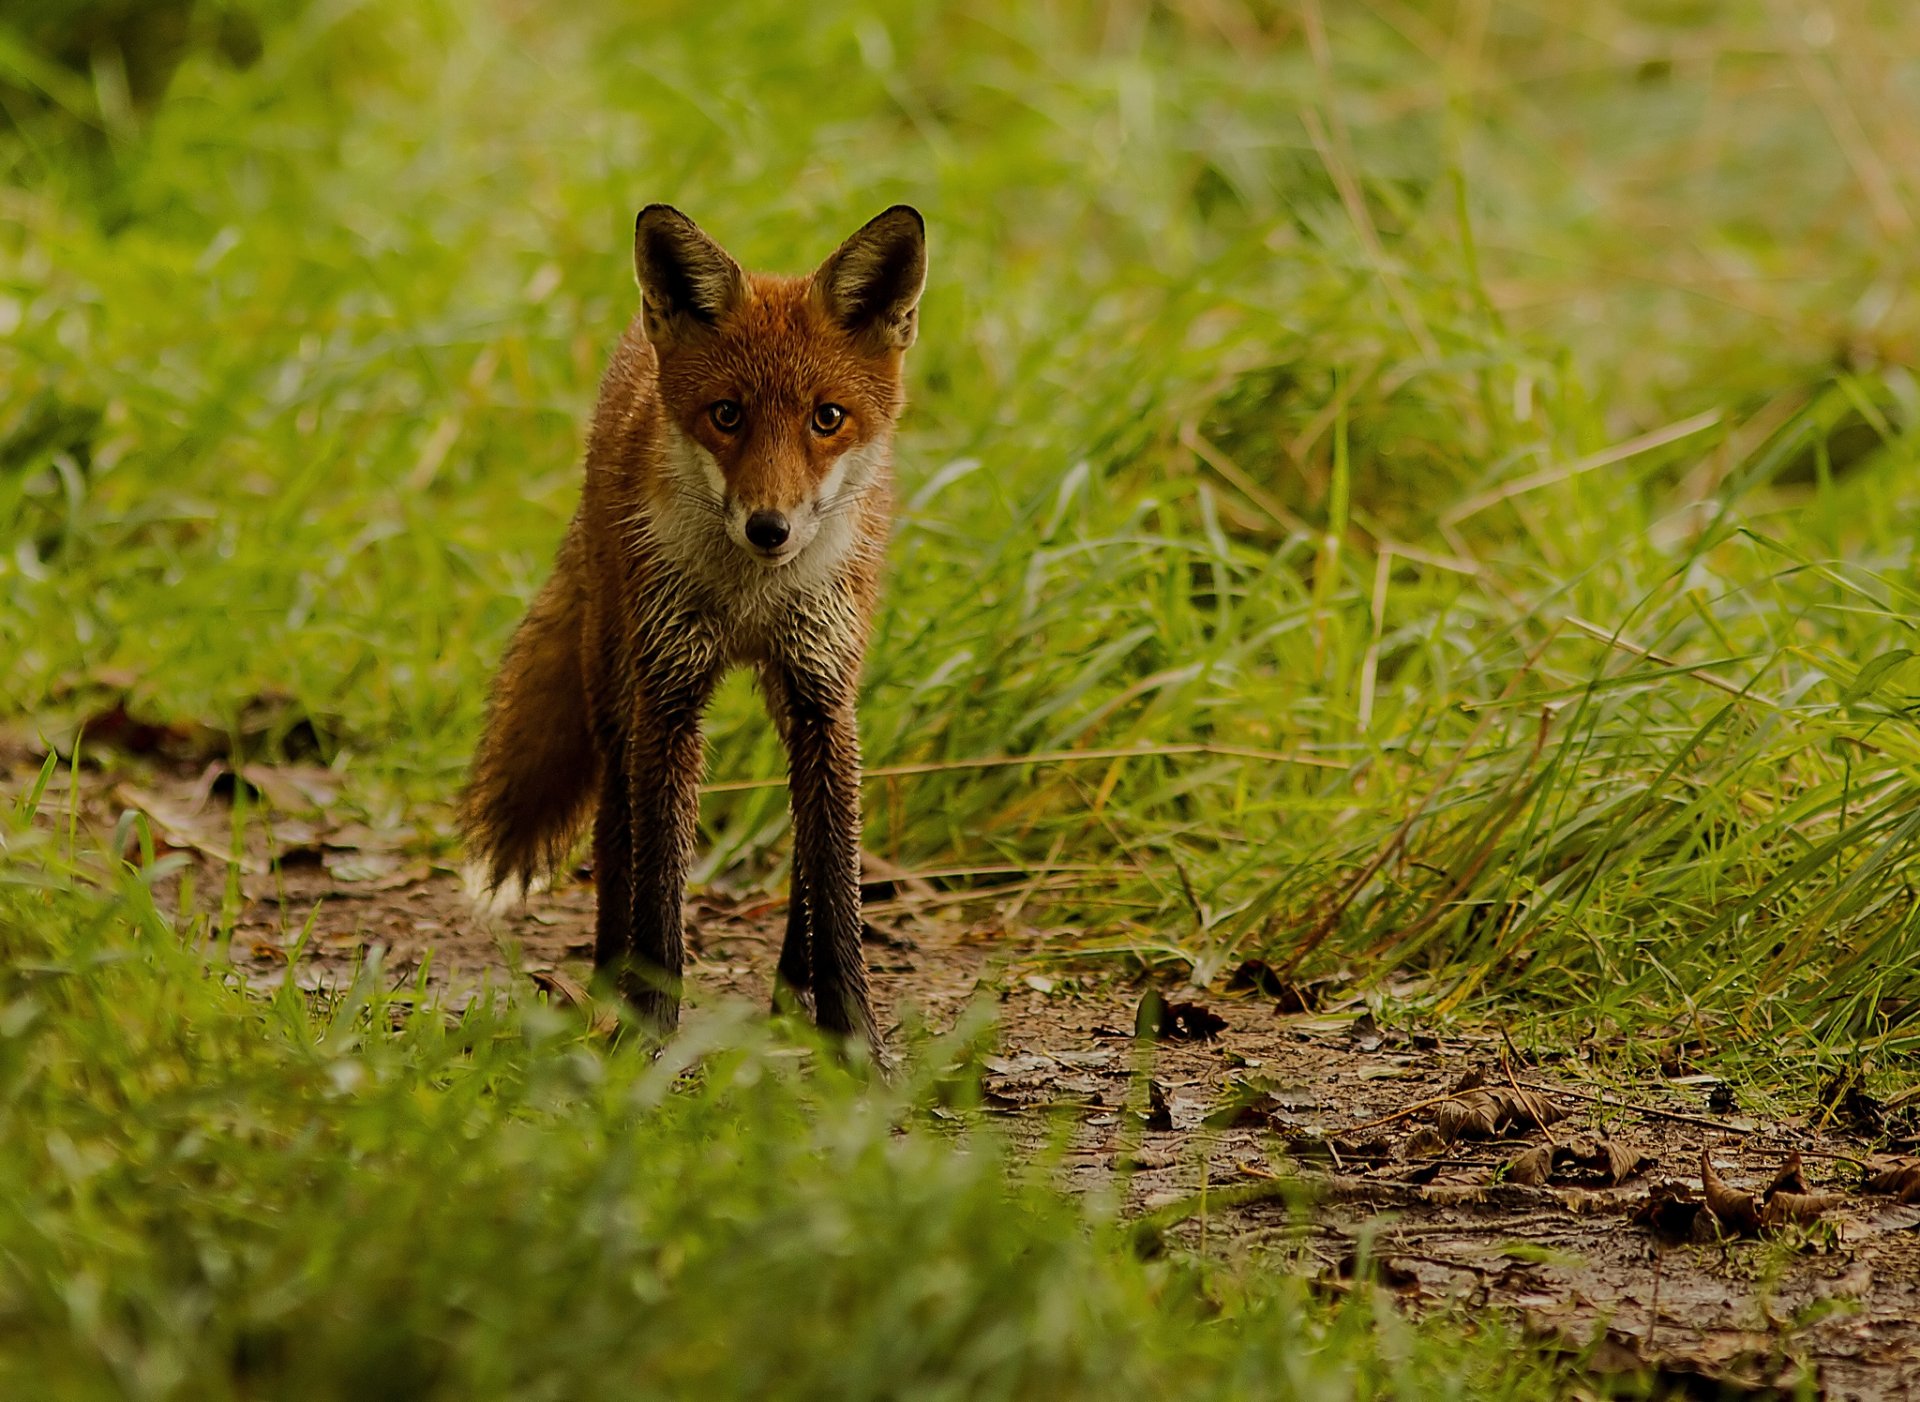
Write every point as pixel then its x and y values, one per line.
pixel 665 758
pixel 793 980
pixel 823 753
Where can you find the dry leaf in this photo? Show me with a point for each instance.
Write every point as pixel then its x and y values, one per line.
pixel 1533 1167
pixel 1484 1114
pixel 1900 1180
pixel 1798 1207
pixel 1423 1143
pixel 1625 1159
pixel 1670 1211
pixel 1475 1115
pixel 1731 1208
pixel 1175 1022
pixel 566 991
pixel 1790 1179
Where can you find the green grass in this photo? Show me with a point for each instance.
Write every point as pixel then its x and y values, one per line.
pixel 209 1194
pixel 1506 416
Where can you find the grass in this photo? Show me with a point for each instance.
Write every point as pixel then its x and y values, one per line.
pixel 1505 418
pixel 213 1194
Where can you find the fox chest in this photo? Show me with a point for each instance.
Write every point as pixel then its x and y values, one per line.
pixel 700 603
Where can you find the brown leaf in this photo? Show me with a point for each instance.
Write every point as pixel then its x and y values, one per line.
pixel 1474 1115
pixel 1485 1114
pixel 1846 1100
pixel 1625 1159
pixel 1900 1180
pixel 207 832
pixel 1528 1109
pixel 1258 976
pixel 1423 1143
pixel 293 788
pixel 566 991
pixel 1798 1207
pixel 1533 1167
pixel 1670 1211
pixel 1614 1160
pixel 1159 1113
pixel 1731 1207
pixel 1790 1179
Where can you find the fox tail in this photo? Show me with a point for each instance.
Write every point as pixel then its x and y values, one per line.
pixel 537 768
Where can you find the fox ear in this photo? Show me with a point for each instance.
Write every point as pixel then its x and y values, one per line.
pixel 687 281
pixel 871 284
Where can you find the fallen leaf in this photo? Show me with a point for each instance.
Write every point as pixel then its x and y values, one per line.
pixel 1790 1179
pixel 1159 1114
pixel 297 788
pixel 1670 1211
pixel 1474 1115
pixel 179 826
pixel 1798 1207
pixel 1846 1100
pixel 566 991
pixel 1898 1180
pixel 1486 1114
pixel 1732 1208
pixel 1532 1167
pixel 1423 1143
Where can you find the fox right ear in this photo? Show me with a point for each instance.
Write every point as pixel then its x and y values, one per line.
pixel 687 281
pixel 871 284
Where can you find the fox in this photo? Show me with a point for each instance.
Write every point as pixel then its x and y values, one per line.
pixel 735 512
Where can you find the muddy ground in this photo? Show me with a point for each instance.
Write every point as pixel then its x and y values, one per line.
pixel 1254 1116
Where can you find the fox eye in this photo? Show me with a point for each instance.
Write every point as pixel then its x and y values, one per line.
pixel 725 415
pixel 827 419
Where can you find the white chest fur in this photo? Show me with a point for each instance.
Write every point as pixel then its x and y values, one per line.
pixel 701 573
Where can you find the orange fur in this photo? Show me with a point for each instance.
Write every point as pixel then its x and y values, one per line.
pixel 671 572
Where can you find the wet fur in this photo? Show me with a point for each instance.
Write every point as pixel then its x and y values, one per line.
pixel 655 594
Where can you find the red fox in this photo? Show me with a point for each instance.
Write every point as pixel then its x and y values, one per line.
pixel 736 507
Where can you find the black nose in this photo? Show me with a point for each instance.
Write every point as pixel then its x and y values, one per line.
pixel 767 529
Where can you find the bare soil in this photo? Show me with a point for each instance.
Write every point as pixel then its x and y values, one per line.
pixel 1298 1128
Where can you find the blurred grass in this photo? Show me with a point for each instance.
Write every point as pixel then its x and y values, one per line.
pixel 1505 410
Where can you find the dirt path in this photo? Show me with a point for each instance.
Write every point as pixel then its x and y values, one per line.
pixel 1273 1110
pixel 1408 1146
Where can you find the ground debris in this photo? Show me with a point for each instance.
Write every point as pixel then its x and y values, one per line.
pixel 1488 1114
pixel 1750 1366
pixel 1787 1199
pixel 1900 1179
pixel 1160 1020
pixel 565 991
pixel 1846 1100
pixel 1610 1162
pixel 1257 976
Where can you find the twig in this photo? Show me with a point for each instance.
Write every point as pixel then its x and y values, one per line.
pixel 1653 1111
pixel 945 766
pixel 1412 1109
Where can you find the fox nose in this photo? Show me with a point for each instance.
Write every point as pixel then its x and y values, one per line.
pixel 767 529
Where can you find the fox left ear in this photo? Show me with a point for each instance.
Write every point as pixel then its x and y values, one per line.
pixel 687 281
pixel 871 284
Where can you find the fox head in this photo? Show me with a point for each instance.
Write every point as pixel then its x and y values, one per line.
pixel 780 393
